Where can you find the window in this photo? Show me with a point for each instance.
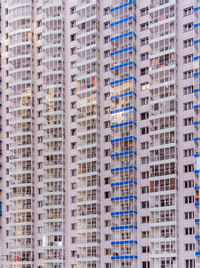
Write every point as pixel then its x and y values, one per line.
pixel 73 239
pixel 73 132
pixel 145 249
pixel 144 160
pixel 188 58
pixel 145 264
pixel 144 116
pixel 106 39
pixel 189 231
pixel 188 90
pixel 188 106
pixel 145 189
pixel 189 168
pixel 73 24
pixel 188 43
pixel 144 101
pixel 73 172
pixel 107 195
pixel 73 212
pixel 106 53
pixel 188 152
pixel 107 138
pixel 107 152
pixel 144 56
pixel 145 175
pixel 73 10
pixel 144 71
pixel 144 11
pixel 106 181
pixel 106 11
pixel 145 86
pixel 73 199
pixel 189 199
pixel 107 96
pixel 189 184
pixel 107 166
pixel 73 226
pixel 145 234
pixel 145 204
pixel 144 26
pixel 144 41
pixel 145 219
pixel 188 121
pixel 144 130
pixel 190 263
pixel 107 82
pixel 106 25
pixel 73 186
pixel 144 145
pixel 188 137
pixel 188 74
pixel 73 159
pixel 190 247
pixel 189 215
pixel 188 11
pixel 107 68
pixel 188 27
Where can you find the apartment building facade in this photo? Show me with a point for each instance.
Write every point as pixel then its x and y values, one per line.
pixel 100 133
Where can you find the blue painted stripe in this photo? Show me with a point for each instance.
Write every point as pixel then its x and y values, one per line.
pixel 123 168
pixel 124 227
pixel 122 21
pixel 123 257
pixel 123 5
pixel 197 253
pixel 123 183
pixel 124 242
pixel 197 58
pixel 123 50
pixel 196 74
pixel 197 106
pixel 123 65
pixel 124 139
pixel 196 90
pixel 123 109
pixel 122 80
pixel 197 8
pixel 122 36
pixel 124 153
pixel 196 41
pixel 123 212
pixel 124 198
pixel 197 236
pixel 123 124
pixel 197 187
pixel 123 95
pixel 196 25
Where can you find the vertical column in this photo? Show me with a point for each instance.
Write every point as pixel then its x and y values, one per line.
pixel 21 124
pixel 88 134
pixel 196 101
pixel 123 135
pixel 53 134
pixel 163 134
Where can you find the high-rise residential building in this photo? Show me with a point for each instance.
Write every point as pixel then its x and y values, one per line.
pixel 100 134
